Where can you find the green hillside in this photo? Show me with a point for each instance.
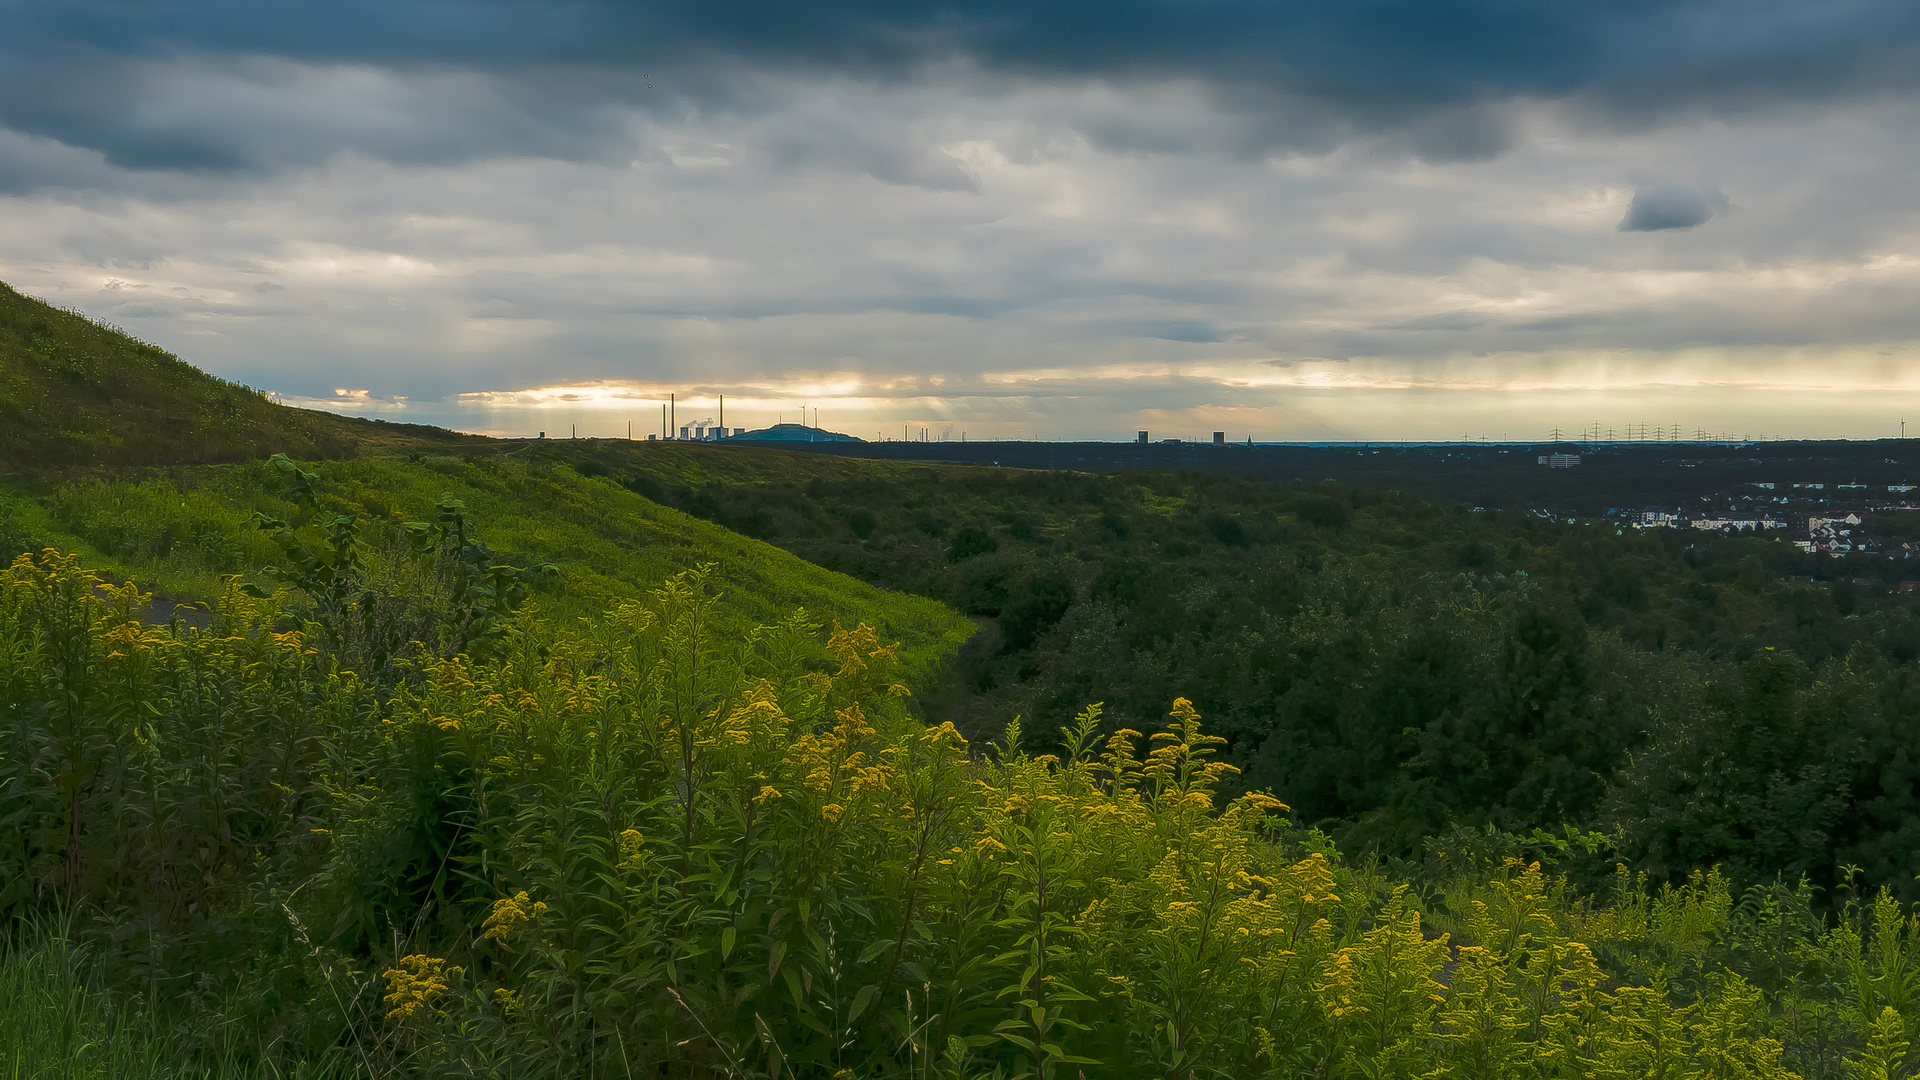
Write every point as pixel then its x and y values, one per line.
pixel 74 392
pixel 180 530
pixel 170 479
pixel 430 761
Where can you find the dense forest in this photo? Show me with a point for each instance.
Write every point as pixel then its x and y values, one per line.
pixel 1614 473
pixel 1389 666
pixel 457 758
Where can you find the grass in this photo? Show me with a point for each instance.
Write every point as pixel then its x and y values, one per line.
pixel 56 1024
pixel 180 530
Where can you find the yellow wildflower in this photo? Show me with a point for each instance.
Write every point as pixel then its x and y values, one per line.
pixel 1266 802
pixel 511 914
pixel 633 847
pixel 832 811
pixel 416 984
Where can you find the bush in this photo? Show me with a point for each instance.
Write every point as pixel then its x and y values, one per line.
pixel 1033 606
pixel 635 846
pixel 1324 510
pixel 1227 530
pixel 969 542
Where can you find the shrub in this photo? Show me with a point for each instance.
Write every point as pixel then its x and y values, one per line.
pixel 634 845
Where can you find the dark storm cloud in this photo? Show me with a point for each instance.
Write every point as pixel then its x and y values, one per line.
pixel 226 113
pixel 189 84
pixel 1671 206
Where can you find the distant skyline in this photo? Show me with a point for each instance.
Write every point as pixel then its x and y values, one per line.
pixel 1289 221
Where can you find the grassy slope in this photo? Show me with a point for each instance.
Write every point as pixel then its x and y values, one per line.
pixel 114 443
pixel 181 528
pixel 76 393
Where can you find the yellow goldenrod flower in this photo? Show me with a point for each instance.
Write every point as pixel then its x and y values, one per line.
pixel 512 913
pixel 633 848
pixel 416 984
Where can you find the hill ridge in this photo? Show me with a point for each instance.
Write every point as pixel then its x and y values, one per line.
pixel 77 391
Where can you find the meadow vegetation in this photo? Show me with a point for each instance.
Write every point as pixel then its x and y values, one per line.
pixel 183 530
pixel 633 846
pixel 1392 667
pixel 506 760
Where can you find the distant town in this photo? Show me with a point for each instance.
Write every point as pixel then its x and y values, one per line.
pixel 1831 498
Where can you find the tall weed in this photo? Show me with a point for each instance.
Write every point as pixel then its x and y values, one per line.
pixel 639 845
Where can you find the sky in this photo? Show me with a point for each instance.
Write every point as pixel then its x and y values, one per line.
pixel 1050 219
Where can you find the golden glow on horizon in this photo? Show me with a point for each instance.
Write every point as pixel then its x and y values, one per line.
pixel 1781 392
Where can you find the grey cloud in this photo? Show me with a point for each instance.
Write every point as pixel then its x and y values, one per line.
pixel 1446 320
pixel 1191 331
pixel 829 131
pixel 213 114
pixel 237 85
pixel 1471 133
pixel 1560 323
pixel 1380 58
pixel 1063 254
pixel 1671 206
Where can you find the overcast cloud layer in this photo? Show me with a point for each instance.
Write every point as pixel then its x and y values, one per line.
pixel 1285 220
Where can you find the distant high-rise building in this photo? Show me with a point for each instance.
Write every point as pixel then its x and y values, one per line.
pixel 1219 438
pixel 1141 439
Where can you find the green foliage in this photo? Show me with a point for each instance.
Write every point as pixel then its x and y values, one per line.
pixel 452 597
pixel 1392 668
pixel 638 843
pixel 185 530
pixel 54 1025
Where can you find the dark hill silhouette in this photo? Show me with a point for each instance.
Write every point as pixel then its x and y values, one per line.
pixel 76 393
pixel 794 433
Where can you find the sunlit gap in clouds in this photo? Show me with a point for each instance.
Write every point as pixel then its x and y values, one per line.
pixel 1756 392
pixel 617 409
